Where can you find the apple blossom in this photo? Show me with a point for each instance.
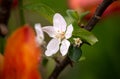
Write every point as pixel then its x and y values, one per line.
pixel 60 34
pixel 39 34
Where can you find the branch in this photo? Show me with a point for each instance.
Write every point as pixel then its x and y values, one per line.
pixel 98 13
pixel 90 25
pixel 5 9
pixel 59 67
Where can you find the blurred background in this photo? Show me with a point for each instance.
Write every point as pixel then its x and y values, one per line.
pixel 102 60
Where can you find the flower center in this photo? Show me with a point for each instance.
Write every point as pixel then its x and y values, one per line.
pixel 60 35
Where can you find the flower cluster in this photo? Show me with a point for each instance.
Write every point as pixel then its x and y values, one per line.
pixel 59 32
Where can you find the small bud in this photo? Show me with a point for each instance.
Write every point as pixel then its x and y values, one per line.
pixel 77 41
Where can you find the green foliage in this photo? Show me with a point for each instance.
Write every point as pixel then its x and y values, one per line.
pixel 82 58
pixel 82 15
pixel 41 9
pixel 44 61
pixel 75 53
pixel 74 16
pixel 102 59
pixel 85 35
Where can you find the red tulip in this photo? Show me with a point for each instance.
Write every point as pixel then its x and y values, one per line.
pixel 21 56
pixel 91 5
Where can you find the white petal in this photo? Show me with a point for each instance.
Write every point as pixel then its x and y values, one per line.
pixel 69 31
pixel 49 30
pixel 39 31
pixel 64 47
pixel 39 41
pixel 59 22
pixel 52 47
pixel 48 53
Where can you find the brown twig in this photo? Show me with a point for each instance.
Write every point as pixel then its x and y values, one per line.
pixel 98 13
pixel 90 25
pixel 5 9
pixel 59 67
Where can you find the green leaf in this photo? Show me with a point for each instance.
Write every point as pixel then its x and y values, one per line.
pixel 44 61
pixel 69 20
pixel 76 16
pixel 82 58
pixel 73 14
pixel 82 15
pixel 85 35
pixel 41 9
pixel 74 53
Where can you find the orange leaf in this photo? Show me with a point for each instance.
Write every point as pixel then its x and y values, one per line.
pixel 22 55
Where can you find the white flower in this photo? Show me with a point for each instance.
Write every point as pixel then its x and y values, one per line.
pixel 60 33
pixel 39 34
pixel 77 41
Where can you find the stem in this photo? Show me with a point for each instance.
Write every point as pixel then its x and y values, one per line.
pixel 90 25
pixel 21 12
pixel 59 67
pixel 98 13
